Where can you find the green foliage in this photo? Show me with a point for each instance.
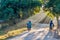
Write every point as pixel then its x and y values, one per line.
pixel 55 4
pixel 10 8
pixel 2 32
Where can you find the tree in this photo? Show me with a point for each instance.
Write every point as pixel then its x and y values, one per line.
pixel 28 6
pixel 9 8
pixel 54 7
pixel 13 7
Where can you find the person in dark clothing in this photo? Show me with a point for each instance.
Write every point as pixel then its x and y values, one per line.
pixel 51 25
pixel 29 24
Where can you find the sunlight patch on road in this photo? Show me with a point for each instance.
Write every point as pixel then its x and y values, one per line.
pixel 34 34
pixel 41 33
pixel 46 32
pixel 39 36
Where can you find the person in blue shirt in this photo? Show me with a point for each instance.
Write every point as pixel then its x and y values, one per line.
pixel 29 24
pixel 51 25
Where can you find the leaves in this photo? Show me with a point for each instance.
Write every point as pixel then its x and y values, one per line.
pixel 55 4
pixel 11 8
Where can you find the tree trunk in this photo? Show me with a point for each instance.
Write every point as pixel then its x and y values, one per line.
pixel 57 23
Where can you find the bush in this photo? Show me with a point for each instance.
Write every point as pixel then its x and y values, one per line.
pixel 1 32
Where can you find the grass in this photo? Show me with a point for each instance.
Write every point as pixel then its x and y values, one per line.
pixel 12 33
pixel 2 39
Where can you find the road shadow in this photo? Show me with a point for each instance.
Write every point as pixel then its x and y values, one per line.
pixel 32 36
pixel 38 39
pixel 29 36
pixel 56 35
pixel 49 36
